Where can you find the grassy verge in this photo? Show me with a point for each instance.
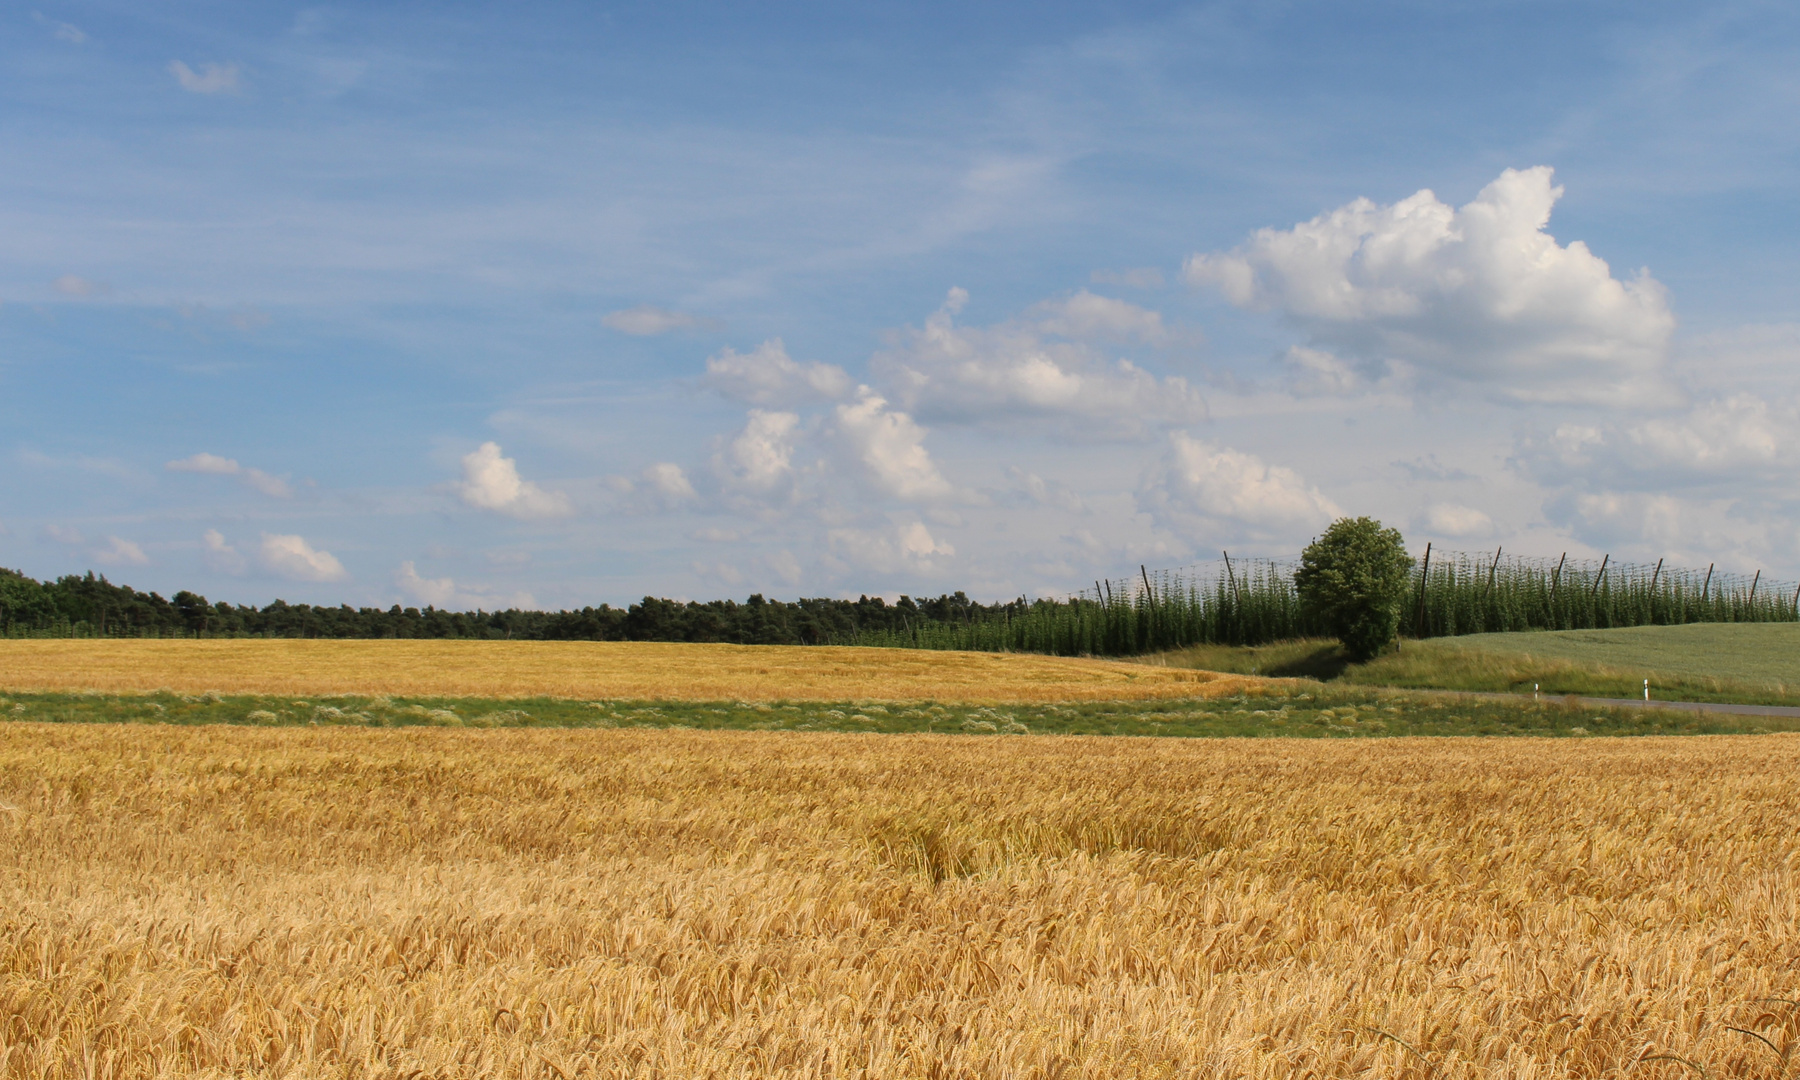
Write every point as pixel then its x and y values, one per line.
pixel 1297 709
pixel 1736 663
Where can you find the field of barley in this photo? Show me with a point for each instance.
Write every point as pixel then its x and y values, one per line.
pixel 420 902
pixel 583 669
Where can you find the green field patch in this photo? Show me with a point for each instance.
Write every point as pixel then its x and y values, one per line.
pixel 1290 709
pixel 1742 663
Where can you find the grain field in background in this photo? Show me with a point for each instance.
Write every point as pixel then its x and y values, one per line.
pixel 449 903
pixel 634 670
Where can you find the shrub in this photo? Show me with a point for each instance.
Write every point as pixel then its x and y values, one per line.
pixel 1354 579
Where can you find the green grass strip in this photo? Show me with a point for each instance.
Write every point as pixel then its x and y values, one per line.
pixel 1295 710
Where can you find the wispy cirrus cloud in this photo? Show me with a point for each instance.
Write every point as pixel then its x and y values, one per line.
pixel 121 552
pixel 61 31
pixel 210 79
pixel 214 465
pixel 77 286
pixel 648 320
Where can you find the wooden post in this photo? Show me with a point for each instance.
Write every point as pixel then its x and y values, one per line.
pixel 1654 574
pixel 1797 600
pixel 1753 582
pixel 1598 578
pixel 1491 571
pixel 1232 578
pixel 1708 583
pixel 1148 591
pixel 1556 576
pixel 1424 576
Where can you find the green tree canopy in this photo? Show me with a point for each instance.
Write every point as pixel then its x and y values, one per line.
pixel 1354 579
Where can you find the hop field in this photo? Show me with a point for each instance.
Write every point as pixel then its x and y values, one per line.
pixel 414 902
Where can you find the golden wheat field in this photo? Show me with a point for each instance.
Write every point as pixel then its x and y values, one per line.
pixel 587 669
pixel 222 901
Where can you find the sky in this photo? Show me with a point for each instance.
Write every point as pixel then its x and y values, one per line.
pixel 550 305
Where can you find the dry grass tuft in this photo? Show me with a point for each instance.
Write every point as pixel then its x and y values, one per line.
pixel 587 669
pixel 424 902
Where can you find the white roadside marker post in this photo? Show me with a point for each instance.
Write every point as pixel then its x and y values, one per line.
pixel 1646 689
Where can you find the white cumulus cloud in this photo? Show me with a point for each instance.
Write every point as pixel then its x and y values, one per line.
pixel 205 463
pixel 890 446
pixel 761 456
pixel 1204 490
pixel 720 572
pixel 210 79
pixel 492 482
pixel 437 592
pixel 1480 294
pixel 663 485
pixel 121 552
pixel 647 320
pixel 1460 522
pixel 909 546
pixel 1087 317
pixel 293 558
pixel 214 465
pixel 1744 440
pixel 767 375
pixel 784 566
pixel 1689 529
pixel 219 555
pixel 1043 364
pixel 1317 373
pixel 445 593
pixel 669 481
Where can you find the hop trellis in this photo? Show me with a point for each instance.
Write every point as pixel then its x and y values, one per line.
pixel 1252 601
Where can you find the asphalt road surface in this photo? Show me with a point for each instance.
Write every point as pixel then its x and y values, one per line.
pixel 1690 706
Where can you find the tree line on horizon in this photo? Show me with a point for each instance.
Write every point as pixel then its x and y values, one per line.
pixel 1257 602
pixel 91 606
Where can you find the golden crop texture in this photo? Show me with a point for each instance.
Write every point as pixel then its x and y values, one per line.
pixel 587 669
pixel 414 903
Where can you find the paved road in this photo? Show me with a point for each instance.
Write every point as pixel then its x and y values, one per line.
pixel 1696 706
pixel 1685 706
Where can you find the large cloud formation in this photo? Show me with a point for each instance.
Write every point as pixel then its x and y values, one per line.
pixel 1043 365
pixel 767 375
pixel 1738 442
pixel 891 448
pixel 1478 295
pixel 1203 489
pixel 761 457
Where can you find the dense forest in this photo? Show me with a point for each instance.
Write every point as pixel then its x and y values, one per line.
pixel 91 606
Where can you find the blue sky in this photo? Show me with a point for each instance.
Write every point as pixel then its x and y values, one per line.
pixel 562 304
